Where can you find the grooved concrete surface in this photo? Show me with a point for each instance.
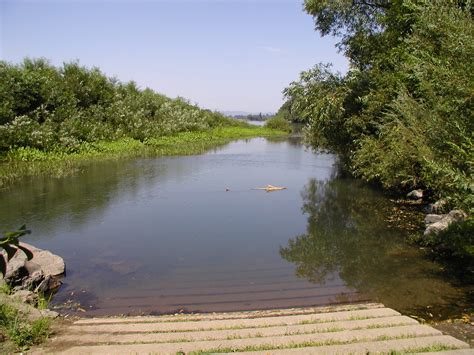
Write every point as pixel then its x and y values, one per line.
pixel 352 329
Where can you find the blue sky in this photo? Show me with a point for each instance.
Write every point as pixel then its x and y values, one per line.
pixel 223 55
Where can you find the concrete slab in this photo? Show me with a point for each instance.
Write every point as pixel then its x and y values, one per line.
pixel 342 329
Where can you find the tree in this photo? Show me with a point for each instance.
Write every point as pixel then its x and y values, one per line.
pixel 402 115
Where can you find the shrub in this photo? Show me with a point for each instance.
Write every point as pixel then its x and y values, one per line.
pixel 278 123
pixel 19 330
pixel 402 115
pixel 45 107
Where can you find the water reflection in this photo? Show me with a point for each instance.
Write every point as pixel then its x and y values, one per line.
pixel 163 234
pixel 347 233
pixel 48 204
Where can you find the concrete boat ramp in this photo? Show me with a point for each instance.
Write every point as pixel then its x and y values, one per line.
pixel 353 329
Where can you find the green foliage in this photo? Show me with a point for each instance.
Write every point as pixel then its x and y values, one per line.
pixel 396 155
pixel 357 22
pixel 43 301
pixel 456 243
pixel 52 109
pixel 402 115
pixel 10 244
pixel 19 330
pixel 5 288
pixel 306 97
pixel 279 123
pixel 286 111
pixel 27 161
pixel 53 119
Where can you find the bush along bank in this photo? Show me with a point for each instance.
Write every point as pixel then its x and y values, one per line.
pixel 48 108
pixel 279 123
pixel 448 236
pixel 401 116
pixel 52 120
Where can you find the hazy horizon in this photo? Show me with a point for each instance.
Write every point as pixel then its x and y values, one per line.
pixel 225 56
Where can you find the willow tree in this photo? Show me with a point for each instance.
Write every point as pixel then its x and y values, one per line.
pixel 402 115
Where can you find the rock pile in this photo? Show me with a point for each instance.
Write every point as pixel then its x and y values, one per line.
pixel 435 223
pixel 42 274
pixel 415 195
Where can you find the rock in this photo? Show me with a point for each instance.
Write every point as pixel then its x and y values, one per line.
pixel 415 194
pixel 32 267
pixel 25 296
pixel 32 280
pixel 48 262
pixel 433 218
pixel 27 309
pixel 43 273
pixel 15 265
pixel 47 313
pixel 49 283
pixel 436 228
pixel 438 206
pixel 457 215
pixel 443 223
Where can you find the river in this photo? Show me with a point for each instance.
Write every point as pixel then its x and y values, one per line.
pixel 188 234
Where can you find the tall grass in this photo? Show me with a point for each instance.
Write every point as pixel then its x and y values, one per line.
pixel 16 328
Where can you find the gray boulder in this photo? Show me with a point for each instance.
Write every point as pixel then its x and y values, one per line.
pixel 415 194
pixel 27 309
pixel 433 218
pixel 43 273
pixel 444 222
pixel 30 281
pixel 15 265
pixel 49 263
pixel 49 283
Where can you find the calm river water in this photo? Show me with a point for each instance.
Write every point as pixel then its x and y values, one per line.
pixel 163 235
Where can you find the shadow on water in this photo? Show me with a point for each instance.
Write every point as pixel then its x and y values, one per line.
pixel 347 233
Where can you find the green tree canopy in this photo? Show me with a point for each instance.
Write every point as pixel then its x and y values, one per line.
pixel 402 115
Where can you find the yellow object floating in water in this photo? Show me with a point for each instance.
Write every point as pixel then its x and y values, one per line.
pixel 269 188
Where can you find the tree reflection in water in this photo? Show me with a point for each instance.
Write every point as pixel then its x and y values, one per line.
pixel 348 234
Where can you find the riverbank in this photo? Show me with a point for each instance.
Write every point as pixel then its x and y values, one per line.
pixel 25 161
